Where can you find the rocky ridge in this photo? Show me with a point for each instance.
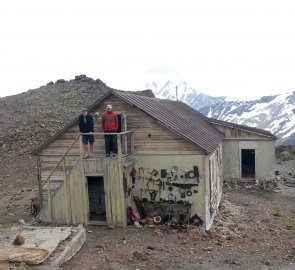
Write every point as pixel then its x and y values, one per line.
pixel 30 118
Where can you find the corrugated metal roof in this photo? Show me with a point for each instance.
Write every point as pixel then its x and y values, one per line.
pixel 180 118
pixel 243 127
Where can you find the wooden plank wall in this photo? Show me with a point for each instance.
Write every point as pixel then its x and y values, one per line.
pixel 47 163
pixel 77 191
pixel 114 194
pixel 94 166
pixel 161 139
pixel 61 144
pixel 150 136
pixel 70 203
pixel 237 133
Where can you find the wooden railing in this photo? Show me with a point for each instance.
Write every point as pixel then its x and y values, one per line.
pixel 125 144
pixel 125 141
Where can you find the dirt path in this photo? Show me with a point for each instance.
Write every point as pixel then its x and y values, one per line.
pixel 18 184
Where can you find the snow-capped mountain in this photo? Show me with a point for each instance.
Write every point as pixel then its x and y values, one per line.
pixel 185 93
pixel 273 113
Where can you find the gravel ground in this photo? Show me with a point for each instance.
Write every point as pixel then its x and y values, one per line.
pixel 255 229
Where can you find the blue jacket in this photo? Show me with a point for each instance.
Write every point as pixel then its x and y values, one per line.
pixel 88 126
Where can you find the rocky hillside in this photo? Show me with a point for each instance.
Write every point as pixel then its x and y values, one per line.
pixel 31 117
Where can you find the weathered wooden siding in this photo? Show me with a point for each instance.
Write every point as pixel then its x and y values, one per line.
pixel 150 136
pixel 60 145
pixel 94 167
pixel 114 195
pixel 77 191
pixel 213 192
pixel 232 133
pixel 70 204
pixel 47 163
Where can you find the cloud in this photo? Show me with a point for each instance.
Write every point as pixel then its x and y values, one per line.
pixel 162 70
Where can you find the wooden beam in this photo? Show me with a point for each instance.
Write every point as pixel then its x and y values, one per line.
pixel 66 193
pixel 49 200
pixel 119 145
pixel 81 148
pixel 39 182
pixel 132 143
pixel 107 191
pixel 85 201
pixel 121 211
pixel 84 183
pixel 125 136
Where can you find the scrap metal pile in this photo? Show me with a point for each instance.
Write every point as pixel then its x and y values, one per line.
pixel 166 196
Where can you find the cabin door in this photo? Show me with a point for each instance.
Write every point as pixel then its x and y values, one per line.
pixel 96 197
pixel 248 163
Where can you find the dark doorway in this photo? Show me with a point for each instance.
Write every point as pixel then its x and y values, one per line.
pixel 248 163
pixel 96 196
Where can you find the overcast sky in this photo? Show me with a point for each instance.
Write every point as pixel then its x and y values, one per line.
pixel 228 47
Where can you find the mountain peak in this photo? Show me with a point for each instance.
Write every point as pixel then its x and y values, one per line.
pixel 185 93
pixel 274 113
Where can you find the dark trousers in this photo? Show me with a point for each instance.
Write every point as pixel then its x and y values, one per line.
pixel 111 142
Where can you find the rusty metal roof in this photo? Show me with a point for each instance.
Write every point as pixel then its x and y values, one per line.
pixel 178 117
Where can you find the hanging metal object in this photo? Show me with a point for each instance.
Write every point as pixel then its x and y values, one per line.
pixel 175 169
pixel 157 219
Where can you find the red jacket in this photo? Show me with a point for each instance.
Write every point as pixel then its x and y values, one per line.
pixel 110 121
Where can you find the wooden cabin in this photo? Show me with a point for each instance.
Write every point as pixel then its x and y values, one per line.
pixel 169 166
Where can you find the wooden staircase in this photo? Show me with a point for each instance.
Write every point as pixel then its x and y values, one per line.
pixel 57 176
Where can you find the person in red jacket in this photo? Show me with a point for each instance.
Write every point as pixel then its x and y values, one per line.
pixel 110 124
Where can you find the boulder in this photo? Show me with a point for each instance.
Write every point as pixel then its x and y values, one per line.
pixel 60 81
